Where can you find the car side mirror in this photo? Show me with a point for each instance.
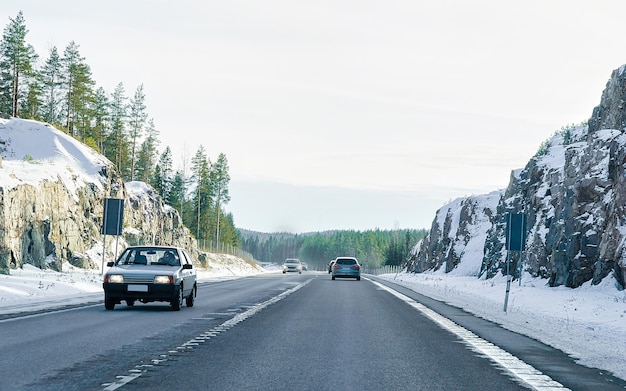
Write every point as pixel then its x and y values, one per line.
pixel 110 263
pixel 188 266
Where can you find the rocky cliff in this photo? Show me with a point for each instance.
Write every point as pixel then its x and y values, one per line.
pixel 52 193
pixel 573 193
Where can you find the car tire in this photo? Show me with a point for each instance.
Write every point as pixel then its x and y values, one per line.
pixel 130 302
pixel 358 278
pixel 190 299
pixel 333 278
pixel 177 303
pixel 109 304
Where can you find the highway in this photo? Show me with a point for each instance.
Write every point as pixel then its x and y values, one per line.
pixel 282 332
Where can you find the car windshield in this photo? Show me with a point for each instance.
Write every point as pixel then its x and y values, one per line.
pixel 346 261
pixel 149 256
pixel 292 261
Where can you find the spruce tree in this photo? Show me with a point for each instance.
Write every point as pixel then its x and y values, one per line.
pixel 176 196
pixel 164 171
pixel 147 154
pixel 31 106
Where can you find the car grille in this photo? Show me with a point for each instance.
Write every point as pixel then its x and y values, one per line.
pixel 139 279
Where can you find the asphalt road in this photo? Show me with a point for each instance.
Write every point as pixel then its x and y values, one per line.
pixel 282 332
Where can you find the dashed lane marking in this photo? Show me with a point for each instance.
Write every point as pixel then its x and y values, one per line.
pixel 139 370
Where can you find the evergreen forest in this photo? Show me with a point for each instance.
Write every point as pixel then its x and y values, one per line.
pixel 373 248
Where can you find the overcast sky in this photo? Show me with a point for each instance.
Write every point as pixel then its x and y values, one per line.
pixel 346 114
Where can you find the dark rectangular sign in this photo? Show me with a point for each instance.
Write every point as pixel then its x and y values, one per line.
pixel 515 231
pixel 113 218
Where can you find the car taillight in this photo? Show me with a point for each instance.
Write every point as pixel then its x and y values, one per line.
pixel 356 266
pixel 335 266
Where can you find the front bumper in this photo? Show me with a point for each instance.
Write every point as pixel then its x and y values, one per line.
pixel 142 292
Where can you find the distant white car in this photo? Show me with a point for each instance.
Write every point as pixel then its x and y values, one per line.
pixel 292 265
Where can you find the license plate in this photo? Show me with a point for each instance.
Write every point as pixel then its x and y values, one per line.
pixel 138 288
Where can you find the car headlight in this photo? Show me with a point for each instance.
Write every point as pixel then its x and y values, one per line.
pixel 163 280
pixel 115 278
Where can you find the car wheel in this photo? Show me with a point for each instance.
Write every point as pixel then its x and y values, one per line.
pixel 333 278
pixel 190 299
pixel 299 272
pixel 178 302
pixel 130 302
pixel 358 278
pixel 109 304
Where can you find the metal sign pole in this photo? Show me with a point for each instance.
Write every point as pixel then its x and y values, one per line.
pixel 508 279
pixel 521 269
pixel 521 249
pixel 104 250
pixel 104 235
pixel 508 261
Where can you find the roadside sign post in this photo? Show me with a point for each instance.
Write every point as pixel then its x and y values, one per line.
pixel 515 240
pixel 112 222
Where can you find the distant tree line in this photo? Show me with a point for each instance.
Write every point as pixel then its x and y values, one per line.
pixel 373 248
pixel 62 92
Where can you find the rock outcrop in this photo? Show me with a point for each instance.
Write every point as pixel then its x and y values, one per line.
pixel 52 194
pixel 456 238
pixel 573 193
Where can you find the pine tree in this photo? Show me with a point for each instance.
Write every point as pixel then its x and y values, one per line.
pixel 136 124
pixel 203 198
pixel 16 61
pixel 116 149
pixel 219 182
pixel 101 119
pixel 78 87
pixel 52 84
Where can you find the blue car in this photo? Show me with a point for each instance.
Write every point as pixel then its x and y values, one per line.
pixel 346 267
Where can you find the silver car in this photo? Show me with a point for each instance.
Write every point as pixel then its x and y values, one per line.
pixel 346 267
pixel 292 265
pixel 151 273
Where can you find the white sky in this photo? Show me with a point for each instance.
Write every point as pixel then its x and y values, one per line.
pixel 411 103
